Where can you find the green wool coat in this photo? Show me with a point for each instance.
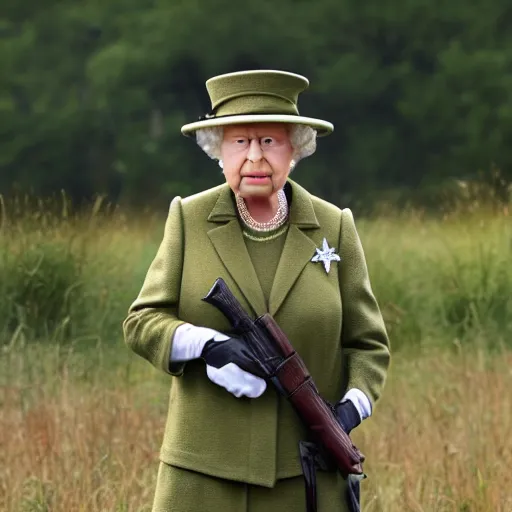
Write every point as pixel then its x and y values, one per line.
pixel 332 319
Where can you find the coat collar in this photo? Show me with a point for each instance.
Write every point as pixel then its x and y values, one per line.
pixel 227 238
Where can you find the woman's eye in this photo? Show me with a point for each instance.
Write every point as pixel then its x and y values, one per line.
pixel 241 142
pixel 266 141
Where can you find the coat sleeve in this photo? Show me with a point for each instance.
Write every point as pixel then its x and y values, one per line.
pixel 152 319
pixel 365 343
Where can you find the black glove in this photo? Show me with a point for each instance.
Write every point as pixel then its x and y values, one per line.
pixel 349 418
pixel 347 415
pixel 232 350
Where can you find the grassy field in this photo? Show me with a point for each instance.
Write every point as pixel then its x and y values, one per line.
pixel 81 418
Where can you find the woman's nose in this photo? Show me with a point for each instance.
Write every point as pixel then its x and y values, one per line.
pixel 254 154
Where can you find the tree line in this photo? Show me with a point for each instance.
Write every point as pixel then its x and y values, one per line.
pixel 93 94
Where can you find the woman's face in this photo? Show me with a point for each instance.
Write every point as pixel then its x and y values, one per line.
pixel 256 158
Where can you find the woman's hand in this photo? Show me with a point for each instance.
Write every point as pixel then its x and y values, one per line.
pixel 229 363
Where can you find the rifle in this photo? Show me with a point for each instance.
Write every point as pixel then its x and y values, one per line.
pixel 283 366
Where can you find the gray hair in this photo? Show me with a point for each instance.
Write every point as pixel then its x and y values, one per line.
pixel 302 139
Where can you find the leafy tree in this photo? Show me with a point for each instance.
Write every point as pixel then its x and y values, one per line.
pixel 92 96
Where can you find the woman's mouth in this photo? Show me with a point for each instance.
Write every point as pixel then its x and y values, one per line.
pixel 256 178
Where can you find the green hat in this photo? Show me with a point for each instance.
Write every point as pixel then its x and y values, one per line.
pixel 260 96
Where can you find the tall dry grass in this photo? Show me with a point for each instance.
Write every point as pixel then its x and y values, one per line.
pixel 440 439
pixel 76 449
pixel 75 441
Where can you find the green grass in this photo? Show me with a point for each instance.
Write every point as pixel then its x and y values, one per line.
pixel 70 280
pixel 442 281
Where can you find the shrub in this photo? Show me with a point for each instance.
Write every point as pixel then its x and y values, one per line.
pixel 40 288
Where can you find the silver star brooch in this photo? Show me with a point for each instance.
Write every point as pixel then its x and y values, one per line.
pixel 325 255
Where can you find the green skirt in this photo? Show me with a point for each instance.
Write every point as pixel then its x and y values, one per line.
pixel 181 490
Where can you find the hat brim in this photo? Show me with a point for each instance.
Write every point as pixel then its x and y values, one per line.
pixel 323 128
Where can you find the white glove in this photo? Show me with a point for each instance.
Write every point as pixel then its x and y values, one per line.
pixel 188 343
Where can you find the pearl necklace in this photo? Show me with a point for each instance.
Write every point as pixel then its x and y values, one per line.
pixel 276 222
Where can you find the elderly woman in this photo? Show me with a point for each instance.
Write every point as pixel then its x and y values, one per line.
pixel 231 441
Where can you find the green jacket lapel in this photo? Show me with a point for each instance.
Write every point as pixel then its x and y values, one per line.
pixel 230 246
pixel 298 248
